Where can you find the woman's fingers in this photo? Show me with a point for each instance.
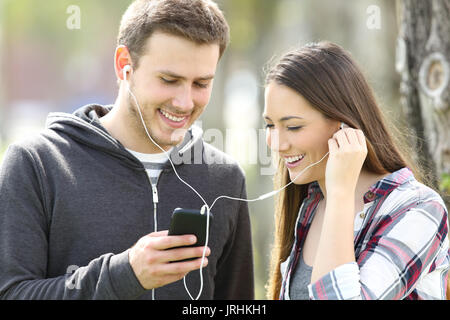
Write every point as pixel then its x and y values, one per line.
pixel 361 138
pixel 347 154
pixel 349 137
pixel 332 145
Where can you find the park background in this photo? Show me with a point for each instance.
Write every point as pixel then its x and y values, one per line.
pixel 57 55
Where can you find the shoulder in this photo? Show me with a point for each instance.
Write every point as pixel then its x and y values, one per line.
pixel 22 164
pixel 429 200
pixel 41 138
pixel 35 152
pixel 42 142
pixel 416 192
pixel 221 163
pixel 414 197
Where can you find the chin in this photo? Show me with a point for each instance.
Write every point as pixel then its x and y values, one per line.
pixel 167 143
pixel 305 178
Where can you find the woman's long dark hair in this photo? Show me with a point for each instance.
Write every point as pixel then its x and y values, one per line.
pixel 330 80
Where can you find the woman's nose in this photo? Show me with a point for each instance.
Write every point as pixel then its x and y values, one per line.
pixel 276 142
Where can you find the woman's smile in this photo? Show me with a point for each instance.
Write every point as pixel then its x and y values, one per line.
pixel 293 161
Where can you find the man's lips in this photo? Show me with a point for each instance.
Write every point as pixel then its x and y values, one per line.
pixel 174 121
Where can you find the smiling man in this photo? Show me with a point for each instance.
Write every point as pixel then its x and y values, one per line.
pixel 173 86
pixel 86 204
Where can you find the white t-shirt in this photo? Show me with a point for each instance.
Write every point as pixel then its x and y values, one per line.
pixel 153 163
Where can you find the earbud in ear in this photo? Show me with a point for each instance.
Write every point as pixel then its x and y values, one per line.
pixel 344 125
pixel 125 71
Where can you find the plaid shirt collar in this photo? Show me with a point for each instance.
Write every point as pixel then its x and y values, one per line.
pixel 387 184
pixel 377 190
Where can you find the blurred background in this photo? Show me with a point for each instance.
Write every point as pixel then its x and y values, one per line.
pixel 57 55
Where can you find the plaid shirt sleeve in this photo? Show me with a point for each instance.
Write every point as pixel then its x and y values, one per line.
pixel 408 247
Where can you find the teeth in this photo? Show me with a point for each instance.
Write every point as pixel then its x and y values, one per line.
pixel 168 116
pixel 295 158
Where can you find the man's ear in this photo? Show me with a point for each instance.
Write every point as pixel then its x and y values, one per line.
pixel 122 58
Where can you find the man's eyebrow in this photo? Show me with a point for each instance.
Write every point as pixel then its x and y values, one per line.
pixel 284 118
pixel 177 76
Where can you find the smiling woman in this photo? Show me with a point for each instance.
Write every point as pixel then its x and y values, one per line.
pixel 345 227
pixel 293 130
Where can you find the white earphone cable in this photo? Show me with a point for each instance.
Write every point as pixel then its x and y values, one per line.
pixel 187 184
pixel 208 208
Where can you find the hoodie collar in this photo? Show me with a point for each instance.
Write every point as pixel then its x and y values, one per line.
pixel 84 126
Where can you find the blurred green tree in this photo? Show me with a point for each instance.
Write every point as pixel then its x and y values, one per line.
pixel 423 61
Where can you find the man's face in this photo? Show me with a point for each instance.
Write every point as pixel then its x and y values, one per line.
pixel 173 85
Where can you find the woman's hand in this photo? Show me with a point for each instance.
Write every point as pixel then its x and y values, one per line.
pixel 348 150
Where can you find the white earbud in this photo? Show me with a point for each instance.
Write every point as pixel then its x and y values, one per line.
pixel 127 69
pixel 205 209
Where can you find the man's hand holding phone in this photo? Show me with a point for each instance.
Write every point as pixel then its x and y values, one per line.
pixel 157 259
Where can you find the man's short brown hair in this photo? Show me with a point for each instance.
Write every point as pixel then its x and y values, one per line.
pixel 198 20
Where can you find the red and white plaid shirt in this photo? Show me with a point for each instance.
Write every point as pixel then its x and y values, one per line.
pixel 401 245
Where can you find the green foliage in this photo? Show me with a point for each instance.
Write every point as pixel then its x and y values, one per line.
pixel 444 185
pixel 248 20
pixel 45 21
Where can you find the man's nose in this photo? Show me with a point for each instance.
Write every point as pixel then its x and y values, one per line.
pixel 183 99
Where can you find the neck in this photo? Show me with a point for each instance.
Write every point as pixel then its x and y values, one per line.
pixel 365 181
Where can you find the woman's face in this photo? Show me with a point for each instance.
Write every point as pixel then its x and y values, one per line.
pixel 297 131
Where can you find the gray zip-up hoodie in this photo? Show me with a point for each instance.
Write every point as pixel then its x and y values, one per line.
pixel 73 201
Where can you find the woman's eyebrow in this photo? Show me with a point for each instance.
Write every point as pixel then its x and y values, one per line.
pixel 284 118
pixel 289 118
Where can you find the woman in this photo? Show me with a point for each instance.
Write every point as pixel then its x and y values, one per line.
pixel 357 225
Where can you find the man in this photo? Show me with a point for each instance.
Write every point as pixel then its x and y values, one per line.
pixel 85 205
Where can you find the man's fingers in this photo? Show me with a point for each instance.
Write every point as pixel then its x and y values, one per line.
pixel 184 253
pixel 184 267
pixel 167 242
pixel 163 233
pixel 171 272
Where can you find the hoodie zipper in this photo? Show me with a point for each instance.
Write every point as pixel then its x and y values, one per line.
pixel 154 187
pixel 155 204
pixel 155 208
